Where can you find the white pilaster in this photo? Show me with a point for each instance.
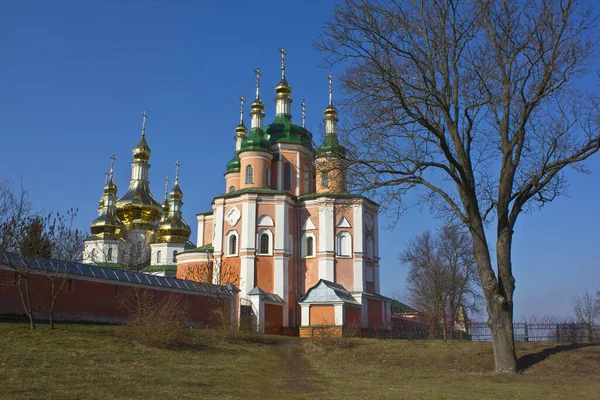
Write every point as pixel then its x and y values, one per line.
pixel 200 238
pixel 339 314
pixel 326 242
pixel 359 264
pixel 280 283
pixel 218 226
pixel 298 174
pixel 258 313
pixel 304 315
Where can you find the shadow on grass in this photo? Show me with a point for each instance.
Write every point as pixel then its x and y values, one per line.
pixel 528 360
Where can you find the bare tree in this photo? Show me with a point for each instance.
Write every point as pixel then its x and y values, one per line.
pixel 476 103
pixel 442 280
pixel 586 312
pixel 28 239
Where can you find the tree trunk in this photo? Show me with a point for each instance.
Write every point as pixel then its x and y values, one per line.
pixel 52 313
pixel 499 309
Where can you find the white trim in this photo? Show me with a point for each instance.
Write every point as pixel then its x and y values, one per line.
pixel 338 317
pixel 304 245
pixel 258 242
pixel 339 250
pixel 281 216
pixel 265 220
pixel 343 223
pixel 200 234
pixel 308 225
pixel 305 315
pixel 228 235
pixel 298 174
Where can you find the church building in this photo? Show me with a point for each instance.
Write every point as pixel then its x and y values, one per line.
pixel 302 250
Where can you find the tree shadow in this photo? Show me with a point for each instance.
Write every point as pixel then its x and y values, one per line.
pixel 528 360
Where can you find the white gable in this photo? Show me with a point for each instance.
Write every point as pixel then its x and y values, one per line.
pixel 265 220
pixel 309 225
pixel 343 223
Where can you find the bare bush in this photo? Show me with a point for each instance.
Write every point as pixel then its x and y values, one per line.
pixel 155 322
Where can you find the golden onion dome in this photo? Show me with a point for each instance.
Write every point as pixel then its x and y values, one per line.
pixel 108 224
pixel 142 150
pixel 283 87
pixel 174 229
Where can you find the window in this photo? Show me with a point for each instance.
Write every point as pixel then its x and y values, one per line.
pixel 249 174
pixel 109 255
pixel 232 244
pixel 344 246
pixel 174 256
pixel 310 246
pixel 158 256
pixel 264 244
pixel 325 180
pixel 231 189
pixel 287 176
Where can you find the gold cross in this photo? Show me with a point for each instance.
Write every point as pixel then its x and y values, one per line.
pixel 144 118
pixel 177 165
pixel 242 102
pixel 303 105
pixel 258 76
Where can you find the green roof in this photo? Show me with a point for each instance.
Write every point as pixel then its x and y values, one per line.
pixel 331 147
pixel 234 164
pixel 282 130
pixel 207 248
pixel 401 308
pixel 256 141
pixel 251 190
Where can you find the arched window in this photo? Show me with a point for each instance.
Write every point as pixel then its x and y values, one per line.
pixel 174 256
pixel 287 176
pixel 232 244
pixel 264 244
pixel 158 257
pixel 310 246
pixel 249 174
pixel 231 189
pixel 344 245
pixel 325 179
pixel 109 255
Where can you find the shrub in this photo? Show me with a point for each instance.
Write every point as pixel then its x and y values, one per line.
pixel 155 322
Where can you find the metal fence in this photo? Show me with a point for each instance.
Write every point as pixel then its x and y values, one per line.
pixel 542 332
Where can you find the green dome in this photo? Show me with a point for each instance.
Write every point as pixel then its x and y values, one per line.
pixel 282 130
pixel 234 164
pixel 256 141
pixel 331 147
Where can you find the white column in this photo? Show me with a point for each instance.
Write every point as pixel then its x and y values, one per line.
pixel 280 283
pixel 298 173
pixel 326 242
pixel 305 315
pixel 359 264
pixel 339 314
pixel 218 224
pixel 248 245
pixel 200 238
pixel 258 313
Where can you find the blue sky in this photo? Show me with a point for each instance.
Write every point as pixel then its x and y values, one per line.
pixel 75 77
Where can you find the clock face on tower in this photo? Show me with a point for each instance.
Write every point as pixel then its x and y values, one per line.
pixel 233 216
pixel 369 221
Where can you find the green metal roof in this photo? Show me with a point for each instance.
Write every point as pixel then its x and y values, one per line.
pixel 331 147
pixel 234 164
pixel 282 130
pixel 256 141
pixel 400 308
pixel 207 248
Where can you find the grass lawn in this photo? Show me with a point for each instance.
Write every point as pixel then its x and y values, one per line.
pixel 99 362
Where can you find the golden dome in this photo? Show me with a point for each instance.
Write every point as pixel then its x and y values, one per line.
pixel 107 225
pixel 142 150
pixel 173 228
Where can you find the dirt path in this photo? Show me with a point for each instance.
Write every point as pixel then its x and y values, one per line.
pixel 298 376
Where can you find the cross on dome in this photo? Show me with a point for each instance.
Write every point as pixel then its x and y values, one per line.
pixel 144 118
pixel 283 54
pixel 330 78
pixel 166 186
pixel 112 164
pixel 258 76
pixel 177 165
pixel 303 105
pixel 242 103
